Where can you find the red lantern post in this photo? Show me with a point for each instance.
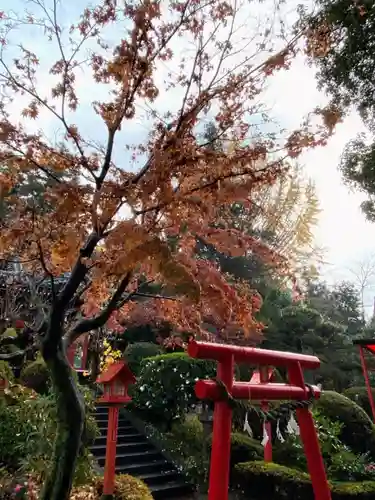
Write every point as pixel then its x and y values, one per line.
pixel 115 381
pixel 226 355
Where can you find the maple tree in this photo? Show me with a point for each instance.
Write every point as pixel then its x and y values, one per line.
pixel 115 223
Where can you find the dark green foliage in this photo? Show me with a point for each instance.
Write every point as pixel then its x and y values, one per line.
pixel 290 453
pixel 324 325
pixel 243 449
pixel 358 432
pixel 188 446
pixel 135 353
pixel 260 480
pixel 359 395
pixel 165 387
pixel 346 73
pixel 143 333
pixel 35 375
pixel 346 70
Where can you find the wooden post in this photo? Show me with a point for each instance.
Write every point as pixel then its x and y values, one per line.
pixel 219 468
pixel 110 457
pixel 310 441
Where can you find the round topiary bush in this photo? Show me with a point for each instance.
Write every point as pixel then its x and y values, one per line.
pixel 135 353
pixel 126 488
pixel 358 432
pixel 35 375
pixel 359 395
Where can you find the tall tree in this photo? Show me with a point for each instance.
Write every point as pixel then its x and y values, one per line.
pixel 341 42
pixel 109 222
pixel 282 215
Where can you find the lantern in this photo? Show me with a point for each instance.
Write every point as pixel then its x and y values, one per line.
pixel 114 382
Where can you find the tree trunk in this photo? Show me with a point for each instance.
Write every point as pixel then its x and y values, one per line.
pixel 70 422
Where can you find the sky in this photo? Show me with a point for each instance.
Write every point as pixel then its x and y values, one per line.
pixel 348 238
pixel 343 231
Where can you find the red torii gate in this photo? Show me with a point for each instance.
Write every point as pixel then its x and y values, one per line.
pixel 227 355
pixel 369 345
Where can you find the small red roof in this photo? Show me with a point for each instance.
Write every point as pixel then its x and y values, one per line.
pixel 116 370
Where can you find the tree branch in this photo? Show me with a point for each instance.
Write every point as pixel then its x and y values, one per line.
pixel 153 296
pixel 88 324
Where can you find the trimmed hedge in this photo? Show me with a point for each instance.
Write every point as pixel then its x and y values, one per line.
pixel 360 397
pixel 242 449
pixel 358 432
pixel 260 480
pixel 165 387
pixel 135 353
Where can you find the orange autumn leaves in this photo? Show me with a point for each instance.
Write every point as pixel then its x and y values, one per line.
pixel 145 221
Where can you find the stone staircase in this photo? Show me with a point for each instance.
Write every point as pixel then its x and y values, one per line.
pixel 140 458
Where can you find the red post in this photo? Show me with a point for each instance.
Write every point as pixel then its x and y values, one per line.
pixel 310 441
pixel 221 440
pixel 110 456
pixel 367 381
pixel 263 373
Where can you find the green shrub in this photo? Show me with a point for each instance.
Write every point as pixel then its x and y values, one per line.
pixel 165 387
pixel 126 488
pixel 354 491
pixel 35 375
pixel 260 480
pixel 357 432
pixel 347 466
pixel 290 453
pixel 135 353
pixel 131 488
pixel 244 449
pixel 6 372
pixel 189 432
pixel 28 431
pixel 359 395
pixel 188 447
